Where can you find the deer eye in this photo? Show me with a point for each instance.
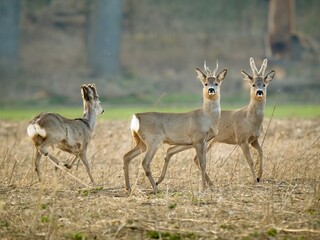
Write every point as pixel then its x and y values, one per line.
pixel 264 85
pixel 253 85
pixel 216 84
pixel 206 84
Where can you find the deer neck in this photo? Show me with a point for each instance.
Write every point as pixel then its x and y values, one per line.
pixel 255 111
pixel 211 107
pixel 89 116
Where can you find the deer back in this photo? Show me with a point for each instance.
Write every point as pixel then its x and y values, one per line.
pixel 56 128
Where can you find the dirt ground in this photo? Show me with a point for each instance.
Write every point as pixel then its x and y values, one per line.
pixel 284 205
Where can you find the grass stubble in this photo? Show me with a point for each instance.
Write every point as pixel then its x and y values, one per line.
pixel 285 204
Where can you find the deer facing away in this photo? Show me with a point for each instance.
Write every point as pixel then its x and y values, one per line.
pixel 193 128
pixel 241 126
pixel 70 135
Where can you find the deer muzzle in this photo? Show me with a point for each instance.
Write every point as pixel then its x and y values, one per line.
pixel 259 93
pixel 211 91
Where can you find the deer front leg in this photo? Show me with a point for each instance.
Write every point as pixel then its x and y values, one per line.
pixel 257 146
pixel 170 152
pixel 246 152
pixel 202 163
pixel 196 160
pixel 211 134
pixel 83 157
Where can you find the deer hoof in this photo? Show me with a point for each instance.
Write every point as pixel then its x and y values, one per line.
pixel 67 166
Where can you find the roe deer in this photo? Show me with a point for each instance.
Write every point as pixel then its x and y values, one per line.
pixel 191 128
pixel 242 126
pixel 70 135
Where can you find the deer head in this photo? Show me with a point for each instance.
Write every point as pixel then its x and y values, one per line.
pixel 258 81
pixel 210 81
pixel 91 98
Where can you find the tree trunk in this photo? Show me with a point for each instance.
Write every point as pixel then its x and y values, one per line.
pixel 103 37
pixel 9 34
pixel 281 27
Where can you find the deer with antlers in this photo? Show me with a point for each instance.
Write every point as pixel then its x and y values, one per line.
pixel 193 128
pixel 70 135
pixel 242 126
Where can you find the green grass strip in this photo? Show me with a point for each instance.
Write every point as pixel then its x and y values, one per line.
pixel 124 113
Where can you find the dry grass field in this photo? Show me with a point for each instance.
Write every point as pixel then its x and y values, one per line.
pixel 285 205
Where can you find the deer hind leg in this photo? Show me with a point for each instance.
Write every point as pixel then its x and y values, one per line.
pixel 170 152
pixel 43 150
pixel 37 164
pixel 246 152
pixel 54 159
pixel 83 157
pixel 69 166
pixel 137 150
pixel 257 146
pixel 151 150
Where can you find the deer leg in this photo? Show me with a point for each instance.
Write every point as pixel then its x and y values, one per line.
pixel 53 158
pixel 43 150
pixel 257 146
pixel 83 157
pixel 37 164
pixel 151 150
pixel 246 152
pixel 137 150
pixel 196 161
pixel 69 166
pixel 209 145
pixel 200 149
pixel 170 152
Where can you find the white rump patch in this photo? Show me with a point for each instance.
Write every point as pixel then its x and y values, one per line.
pixel 134 124
pixel 35 129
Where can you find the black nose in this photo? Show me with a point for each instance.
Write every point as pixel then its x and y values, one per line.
pixel 260 93
pixel 211 90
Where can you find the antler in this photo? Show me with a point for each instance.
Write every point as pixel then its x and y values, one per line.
pixel 263 67
pixel 253 67
pixel 89 91
pixel 215 70
pixel 94 90
pixel 208 71
pixel 84 91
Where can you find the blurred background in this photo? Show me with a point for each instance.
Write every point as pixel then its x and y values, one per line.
pixel 144 52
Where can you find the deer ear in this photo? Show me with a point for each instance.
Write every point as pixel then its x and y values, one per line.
pixel 246 76
pixel 269 76
pixel 222 75
pixel 200 75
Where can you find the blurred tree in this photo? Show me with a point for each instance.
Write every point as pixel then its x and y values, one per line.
pixel 282 40
pixel 103 36
pixel 9 34
pixel 280 26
